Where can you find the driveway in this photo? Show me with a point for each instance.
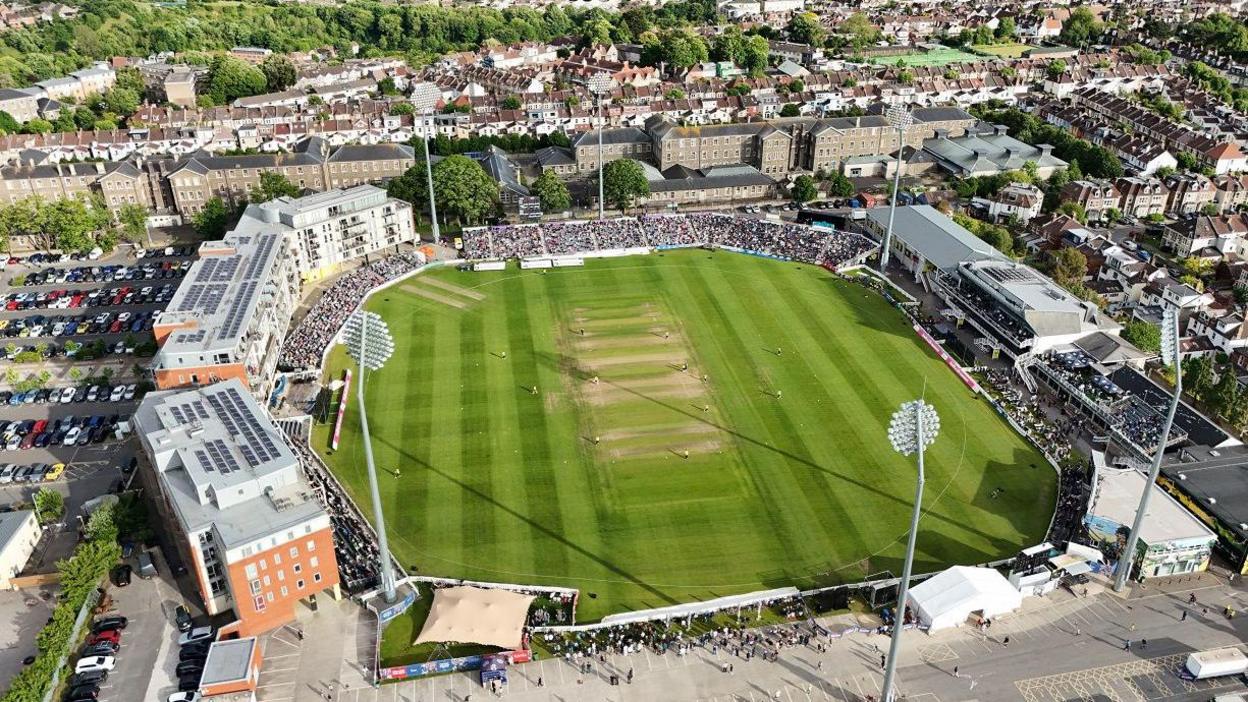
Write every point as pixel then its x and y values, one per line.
pixel 144 666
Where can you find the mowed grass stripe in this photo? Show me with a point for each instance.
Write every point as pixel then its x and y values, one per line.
pixel 477 519
pixel 813 493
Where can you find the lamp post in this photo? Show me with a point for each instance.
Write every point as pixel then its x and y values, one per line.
pixel 913 428
pixel 368 340
pixel 425 99
pixel 900 118
pixel 599 84
pixel 1169 355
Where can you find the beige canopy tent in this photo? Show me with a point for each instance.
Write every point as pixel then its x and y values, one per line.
pixel 476 615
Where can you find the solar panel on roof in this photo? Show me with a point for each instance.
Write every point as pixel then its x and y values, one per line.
pixel 177 414
pixel 203 461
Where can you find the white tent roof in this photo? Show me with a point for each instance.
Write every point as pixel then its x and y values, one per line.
pixel 476 615
pixel 948 598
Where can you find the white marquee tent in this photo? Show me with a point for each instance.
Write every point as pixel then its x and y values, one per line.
pixel 947 599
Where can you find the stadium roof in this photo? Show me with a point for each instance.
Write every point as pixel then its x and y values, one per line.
pixel 935 237
pixel 1219 485
pixel 1046 307
pixel 1200 430
pixel 1118 498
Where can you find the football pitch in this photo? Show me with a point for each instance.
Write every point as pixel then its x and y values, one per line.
pixel 673 427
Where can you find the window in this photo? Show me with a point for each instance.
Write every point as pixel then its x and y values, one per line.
pixel 314 561
pixel 281 575
pixel 263 565
pixel 255 587
pixel 284 591
pixel 270 597
pixel 266 580
pixel 299 584
pixel 294 551
pixel 250 570
pixel 258 601
pixel 316 577
pixel 298 568
pixel 277 559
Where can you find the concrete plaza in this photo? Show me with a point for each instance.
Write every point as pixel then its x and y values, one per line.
pixel 1061 647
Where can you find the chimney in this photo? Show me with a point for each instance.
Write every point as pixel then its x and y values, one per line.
pixel 1000 129
pixel 1045 149
pixel 942 134
pixel 99 167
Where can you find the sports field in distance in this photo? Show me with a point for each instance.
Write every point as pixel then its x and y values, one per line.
pixel 659 429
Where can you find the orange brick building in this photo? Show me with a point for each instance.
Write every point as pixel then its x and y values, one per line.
pixel 235 499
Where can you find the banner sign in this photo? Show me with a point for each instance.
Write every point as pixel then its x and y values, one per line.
pixel 446 665
pixel 397 608
pixel 342 408
pixel 949 360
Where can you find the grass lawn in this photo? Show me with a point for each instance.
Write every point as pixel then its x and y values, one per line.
pixel 1012 50
pixel 787 480
pixel 936 57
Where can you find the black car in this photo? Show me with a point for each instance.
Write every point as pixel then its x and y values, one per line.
pixel 92 677
pixel 189 682
pixel 183 617
pixel 121 575
pixel 190 667
pixel 109 623
pixel 201 646
pixel 100 648
pixel 198 654
pixel 90 691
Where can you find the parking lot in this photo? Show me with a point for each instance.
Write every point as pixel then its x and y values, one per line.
pixel 103 308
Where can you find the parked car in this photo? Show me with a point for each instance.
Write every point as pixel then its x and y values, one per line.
pixel 110 622
pixel 91 677
pixel 182 616
pixel 121 575
pixel 199 633
pixel 93 663
pixel 190 667
pixel 190 696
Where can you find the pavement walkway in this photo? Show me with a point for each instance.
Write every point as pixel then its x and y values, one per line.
pixel 1064 646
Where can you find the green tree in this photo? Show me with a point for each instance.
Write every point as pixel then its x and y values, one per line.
pixel 279 72
pixel 49 505
pixel 1055 68
pixel 463 189
pixel 37 126
pixel 411 187
pixel 133 220
pixel 1198 375
pixel 1006 29
pixel 213 220
pixel 402 108
pixel 122 101
pixel 1074 209
pixel 1068 265
pixel 230 78
pixel 1081 28
pixel 8 125
pixel 805 28
pixel 804 189
pixel 840 186
pixel 1145 336
pixel 101 525
pixel 552 192
pixel 623 181
pixel 71 223
pixel 790 109
pixel 272 185
pixel 1224 396
pixel 858 31
pixel 755 56
pixel 511 102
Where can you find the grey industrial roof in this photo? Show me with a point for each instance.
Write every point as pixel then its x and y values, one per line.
pixel 1107 348
pixel 1118 499
pixel 975 153
pixel 10 524
pixel 623 135
pixel 228 661
pixel 734 176
pixel 224 464
pixel 1220 485
pixel 934 236
pixel 373 152
pixel 555 156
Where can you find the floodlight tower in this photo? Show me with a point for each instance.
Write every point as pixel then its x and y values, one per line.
pixel 368 340
pixel 599 84
pixel 900 117
pixel 913 428
pixel 425 99
pixel 1169 356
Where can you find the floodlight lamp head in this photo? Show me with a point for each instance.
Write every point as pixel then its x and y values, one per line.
pixel 1169 335
pixel 903 430
pixel 425 97
pixel 899 116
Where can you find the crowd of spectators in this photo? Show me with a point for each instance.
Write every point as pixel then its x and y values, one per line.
pixel 355 545
pixel 307 342
pixel 791 241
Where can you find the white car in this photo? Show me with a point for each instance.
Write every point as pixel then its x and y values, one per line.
pixel 14 443
pixel 130 390
pixel 93 663
pixel 199 633
pixel 123 317
pixel 67 396
pixel 58 328
pixel 117 393
pixel 191 696
pixel 72 437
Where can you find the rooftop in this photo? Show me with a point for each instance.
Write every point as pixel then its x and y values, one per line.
pixel 1118 498
pixel 223 463
pixel 228 661
pixel 934 236
pixel 1219 485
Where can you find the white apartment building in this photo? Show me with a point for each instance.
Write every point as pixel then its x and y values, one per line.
pixel 329 228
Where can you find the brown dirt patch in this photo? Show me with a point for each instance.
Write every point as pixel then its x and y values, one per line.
pixel 431 295
pixel 451 287
pixel 670 448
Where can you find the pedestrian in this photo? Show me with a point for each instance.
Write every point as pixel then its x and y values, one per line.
pixel 779 394
pixel 882 659
pixel 1184 617
pixel 1126 645
pixel 956 674
pixel 539 681
pixel 1191 599
pixel 1143 643
pixel 1078 630
pixel 819 665
pixel 1005 642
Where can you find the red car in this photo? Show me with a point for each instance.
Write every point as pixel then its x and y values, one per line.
pixel 112 636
